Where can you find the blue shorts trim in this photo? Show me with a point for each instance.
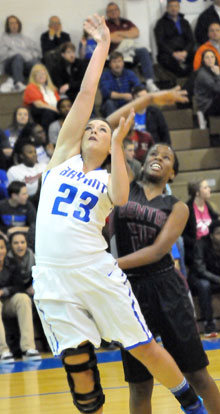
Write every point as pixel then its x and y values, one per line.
pixel 138 344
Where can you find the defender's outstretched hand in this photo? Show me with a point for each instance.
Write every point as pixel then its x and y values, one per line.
pixel 123 128
pixel 95 26
pixel 170 97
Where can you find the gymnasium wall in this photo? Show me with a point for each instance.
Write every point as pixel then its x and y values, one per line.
pixel 144 13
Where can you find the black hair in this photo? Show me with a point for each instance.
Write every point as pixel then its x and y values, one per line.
pixel 213 225
pixel 15 187
pixel 136 89
pixel 3 238
pixel 67 45
pixel 26 134
pixel 16 233
pixel 60 102
pixel 213 23
pixel 176 161
pixel 193 187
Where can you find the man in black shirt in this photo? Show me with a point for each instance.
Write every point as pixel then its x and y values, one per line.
pixel 208 16
pixel 54 37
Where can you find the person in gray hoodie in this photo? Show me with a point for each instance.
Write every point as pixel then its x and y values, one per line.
pixel 18 53
pixel 207 85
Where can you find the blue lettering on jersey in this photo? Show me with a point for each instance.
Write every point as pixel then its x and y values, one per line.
pixel 83 213
pixel 79 175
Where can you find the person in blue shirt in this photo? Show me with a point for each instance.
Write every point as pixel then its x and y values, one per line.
pixel 116 84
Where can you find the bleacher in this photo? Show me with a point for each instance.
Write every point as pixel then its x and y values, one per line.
pixel 197 159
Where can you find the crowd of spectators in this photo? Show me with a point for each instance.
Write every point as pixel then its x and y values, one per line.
pixel 51 79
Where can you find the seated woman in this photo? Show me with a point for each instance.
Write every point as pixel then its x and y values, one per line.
pixel 207 85
pixel 21 116
pixel 15 302
pixel 18 53
pixel 23 257
pixel 201 215
pixel 41 96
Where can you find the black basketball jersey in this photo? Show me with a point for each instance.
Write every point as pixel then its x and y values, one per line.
pixel 138 223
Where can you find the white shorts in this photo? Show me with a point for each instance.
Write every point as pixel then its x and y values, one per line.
pixel 90 303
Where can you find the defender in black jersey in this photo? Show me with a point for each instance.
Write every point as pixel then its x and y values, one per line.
pixel 145 229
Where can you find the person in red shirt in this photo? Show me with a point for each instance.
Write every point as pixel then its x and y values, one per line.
pixel 42 96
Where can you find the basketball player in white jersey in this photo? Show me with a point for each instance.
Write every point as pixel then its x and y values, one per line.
pixel 80 292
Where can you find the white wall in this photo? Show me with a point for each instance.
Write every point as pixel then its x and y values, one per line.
pixel 144 13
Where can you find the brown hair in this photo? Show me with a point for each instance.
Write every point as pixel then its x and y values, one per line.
pixel 67 45
pixel 7 29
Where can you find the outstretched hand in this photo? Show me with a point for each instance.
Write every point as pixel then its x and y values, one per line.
pixel 95 26
pixel 123 128
pixel 170 97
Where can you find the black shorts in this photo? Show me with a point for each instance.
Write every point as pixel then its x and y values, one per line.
pixel 168 312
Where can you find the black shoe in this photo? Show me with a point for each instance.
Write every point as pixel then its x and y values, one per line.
pixel 210 330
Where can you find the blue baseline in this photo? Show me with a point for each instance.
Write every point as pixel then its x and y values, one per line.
pixel 103 357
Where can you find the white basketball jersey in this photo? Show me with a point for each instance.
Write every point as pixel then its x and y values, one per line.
pixel 72 210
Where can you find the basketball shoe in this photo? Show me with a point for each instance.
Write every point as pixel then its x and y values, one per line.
pixel 197 408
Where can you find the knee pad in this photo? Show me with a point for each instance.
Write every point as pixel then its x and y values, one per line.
pixel 97 393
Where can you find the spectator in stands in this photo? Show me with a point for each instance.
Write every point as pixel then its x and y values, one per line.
pixel 116 84
pixel 21 117
pixel 17 213
pixel 129 151
pixel 37 136
pixel 123 32
pixel 205 274
pixel 54 37
pixel 18 53
pixel 86 46
pixel 212 44
pixel 28 170
pixel 150 119
pixel 24 258
pixel 208 16
pixel 3 180
pixel 207 85
pixel 41 96
pixel 175 40
pixel 67 72
pixel 201 214
pixel 15 302
pixel 5 151
pixel 63 107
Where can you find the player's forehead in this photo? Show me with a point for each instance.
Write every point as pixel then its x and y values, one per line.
pixel 160 148
pixel 99 123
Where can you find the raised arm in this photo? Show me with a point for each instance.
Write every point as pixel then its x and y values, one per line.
pixel 118 186
pixel 166 238
pixel 69 139
pixel 167 97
